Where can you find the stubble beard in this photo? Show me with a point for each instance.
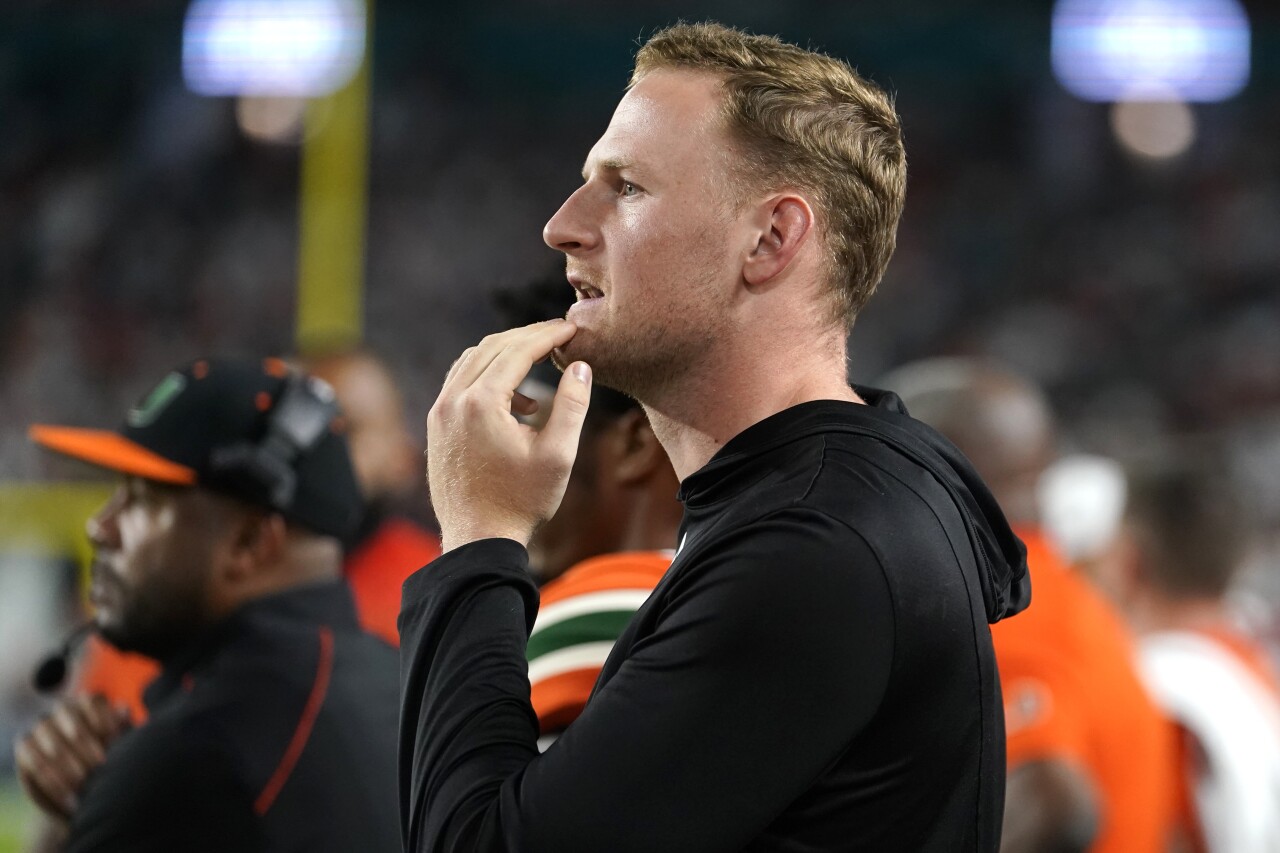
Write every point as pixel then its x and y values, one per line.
pixel 647 356
pixel 643 361
pixel 158 619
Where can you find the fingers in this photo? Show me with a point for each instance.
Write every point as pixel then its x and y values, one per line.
pixel 559 438
pixel 458 364
pixel 504 359
pixel 523 406
pixel 100 717
pixel 511 365
pixel 59 753
pixel 490 476
pixel 44 781
pixel 79 737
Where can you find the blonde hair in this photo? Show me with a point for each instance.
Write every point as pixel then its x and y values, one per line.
pixel 803 120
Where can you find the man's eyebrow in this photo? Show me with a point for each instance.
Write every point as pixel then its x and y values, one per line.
pixel 607 164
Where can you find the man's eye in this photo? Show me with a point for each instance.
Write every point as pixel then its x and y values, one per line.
pixel 629 189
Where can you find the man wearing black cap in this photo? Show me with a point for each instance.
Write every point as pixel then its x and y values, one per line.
pixel 272 725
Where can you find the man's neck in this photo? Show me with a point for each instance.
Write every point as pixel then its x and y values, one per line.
pixel 697 415
pixel 308 559
pixel 653 520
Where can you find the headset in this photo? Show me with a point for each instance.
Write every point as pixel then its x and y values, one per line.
pixel 52 671
pixel 296 424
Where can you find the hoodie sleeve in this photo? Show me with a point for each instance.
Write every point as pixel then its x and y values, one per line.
pixel 690 745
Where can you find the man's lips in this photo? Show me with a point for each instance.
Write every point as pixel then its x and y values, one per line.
pixel 584 289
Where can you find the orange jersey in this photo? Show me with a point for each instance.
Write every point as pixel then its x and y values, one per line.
pixel 1072 692
pixel 1221 688
pixel 117 675
pixel 379 566
pixel 375 570
pixel 580 615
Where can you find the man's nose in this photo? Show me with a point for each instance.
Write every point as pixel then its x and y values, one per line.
pixel 570 230
pixel 101 527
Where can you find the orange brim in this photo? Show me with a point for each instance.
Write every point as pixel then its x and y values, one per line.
pixel 112 450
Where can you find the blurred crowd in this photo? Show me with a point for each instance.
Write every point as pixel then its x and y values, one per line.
pixel 140 227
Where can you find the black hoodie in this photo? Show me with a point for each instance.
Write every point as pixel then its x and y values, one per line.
pixel 813 673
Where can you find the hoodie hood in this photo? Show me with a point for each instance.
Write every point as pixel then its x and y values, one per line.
pixel 1000 554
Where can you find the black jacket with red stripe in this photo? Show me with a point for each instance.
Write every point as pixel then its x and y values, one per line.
pixel 275 732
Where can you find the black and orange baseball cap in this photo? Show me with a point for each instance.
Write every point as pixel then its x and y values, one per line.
pixel 257 431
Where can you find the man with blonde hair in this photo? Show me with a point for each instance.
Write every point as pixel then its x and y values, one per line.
pixel 815 670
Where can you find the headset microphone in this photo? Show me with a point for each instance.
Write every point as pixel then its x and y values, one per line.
pixel 52 671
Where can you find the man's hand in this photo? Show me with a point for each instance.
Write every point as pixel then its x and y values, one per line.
pixel 490 475
pixel 60 752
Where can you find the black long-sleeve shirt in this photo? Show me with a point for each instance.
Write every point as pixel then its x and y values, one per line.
pixel 274 732
pixel 813 673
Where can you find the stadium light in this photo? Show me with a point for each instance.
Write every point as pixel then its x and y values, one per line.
pixel 1151 50
pixel 272 48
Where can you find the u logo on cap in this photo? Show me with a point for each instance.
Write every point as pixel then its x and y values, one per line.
pixel 145 413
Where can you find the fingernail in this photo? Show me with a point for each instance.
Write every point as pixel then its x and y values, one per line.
pixel 582 372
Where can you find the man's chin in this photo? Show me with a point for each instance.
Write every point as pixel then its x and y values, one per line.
pixel 113 633
pixel 105 618
pixel 136 639
pixel 560 359
pixel 578 349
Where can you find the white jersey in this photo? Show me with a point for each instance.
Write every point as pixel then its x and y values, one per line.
pixel 1235 717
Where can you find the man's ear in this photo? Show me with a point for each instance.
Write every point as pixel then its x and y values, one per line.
pixel 782 223
pixel 255 539
pixel 637 454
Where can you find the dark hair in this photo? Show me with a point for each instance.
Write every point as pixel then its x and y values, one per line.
pixel 1191 526
pixel 547 298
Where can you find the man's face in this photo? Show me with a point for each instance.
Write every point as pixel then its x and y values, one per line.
pixel 154 551
pixel 653 245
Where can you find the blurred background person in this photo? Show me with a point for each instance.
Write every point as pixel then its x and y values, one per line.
pixel 1092 763
pixel 272 723
pixel 1171 568
pixel 614 536
pixel 384 549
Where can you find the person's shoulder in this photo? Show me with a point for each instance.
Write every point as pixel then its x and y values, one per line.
pixel 862 473
pixel 797 550
pixel 626 570
pixel 167 738
pixel 254 700
pixel 259 682
pixel 1069 618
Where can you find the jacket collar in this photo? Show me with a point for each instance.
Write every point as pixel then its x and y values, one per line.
pixel 717 479
pixel 742 462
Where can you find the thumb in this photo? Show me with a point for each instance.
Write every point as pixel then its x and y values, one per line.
pixel 568 411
